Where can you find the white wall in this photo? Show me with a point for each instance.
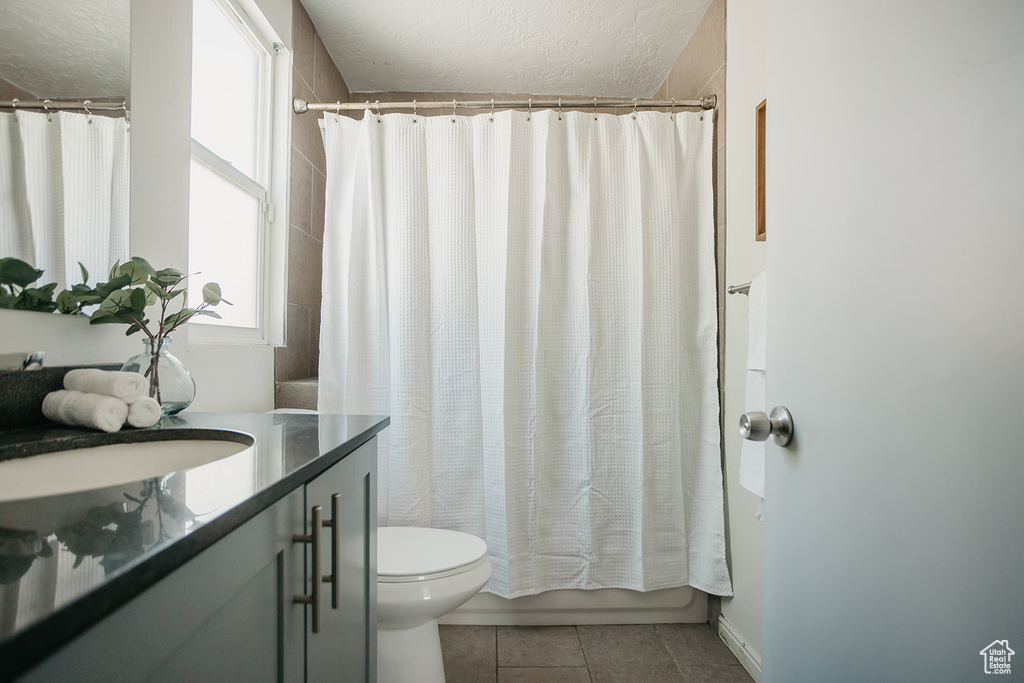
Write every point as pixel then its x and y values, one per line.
pixel 228 377
pixel 745 258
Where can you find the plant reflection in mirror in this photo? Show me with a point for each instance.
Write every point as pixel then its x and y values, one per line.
pixel 15 292
pixel 18 550
pixel 117 534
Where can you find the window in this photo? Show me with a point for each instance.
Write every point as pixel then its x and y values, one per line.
pixel 239 71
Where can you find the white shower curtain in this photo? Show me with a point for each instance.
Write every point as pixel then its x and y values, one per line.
pixel 532 300
pixel 64 193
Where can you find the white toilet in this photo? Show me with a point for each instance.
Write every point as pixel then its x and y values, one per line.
pixel 422 574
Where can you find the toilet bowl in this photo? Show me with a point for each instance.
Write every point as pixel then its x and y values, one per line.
pixel 422 574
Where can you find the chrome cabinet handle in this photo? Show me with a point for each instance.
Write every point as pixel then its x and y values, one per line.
pixel 313 538
pixel 756 426
pixel 332 578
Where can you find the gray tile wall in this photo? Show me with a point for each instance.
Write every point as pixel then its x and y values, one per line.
pixel 315 78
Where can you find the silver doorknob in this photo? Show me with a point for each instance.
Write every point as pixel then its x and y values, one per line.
pixel 756 426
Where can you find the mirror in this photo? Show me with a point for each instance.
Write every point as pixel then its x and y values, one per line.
pixel 64 195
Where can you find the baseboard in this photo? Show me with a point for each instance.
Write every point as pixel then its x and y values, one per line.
pixel 750 660
pixel 575 607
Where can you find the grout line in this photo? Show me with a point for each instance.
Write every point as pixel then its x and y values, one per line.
pixel 301 78
pixel 721 95
pixel 662 638
pixel 590 674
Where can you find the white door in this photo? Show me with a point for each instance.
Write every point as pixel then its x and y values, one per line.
pixel 894 535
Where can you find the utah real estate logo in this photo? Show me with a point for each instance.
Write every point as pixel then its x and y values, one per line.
pixel 997 657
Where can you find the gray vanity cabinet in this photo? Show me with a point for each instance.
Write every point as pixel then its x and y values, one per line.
pixel 229 614
pixel 215 618
pixel 345 649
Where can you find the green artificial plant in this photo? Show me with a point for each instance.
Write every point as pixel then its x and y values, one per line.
pixel 135 286
pixel 15 292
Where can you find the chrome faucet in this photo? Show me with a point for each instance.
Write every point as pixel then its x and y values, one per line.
pixel 25 360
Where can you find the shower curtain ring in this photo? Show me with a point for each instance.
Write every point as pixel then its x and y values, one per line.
pixel 454 105
pixel 634 108
pixel 88 114
pixel 127 116
pixel 377 105
pixel 672 109
pixel 46 106
pixel 529 109
pixel 14 102
pixel 492 110
pixel 595 109
pixel 559 108
pixel 414 111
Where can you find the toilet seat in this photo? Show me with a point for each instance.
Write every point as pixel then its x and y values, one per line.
pixel 412 554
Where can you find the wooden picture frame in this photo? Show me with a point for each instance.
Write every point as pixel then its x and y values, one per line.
pixel 760 233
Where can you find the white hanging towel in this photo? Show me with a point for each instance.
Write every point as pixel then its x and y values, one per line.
pixel 752 452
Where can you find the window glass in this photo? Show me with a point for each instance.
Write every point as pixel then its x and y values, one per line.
pixel 224 239
pixel 226 77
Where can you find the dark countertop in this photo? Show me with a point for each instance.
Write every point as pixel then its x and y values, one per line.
pixel 68 561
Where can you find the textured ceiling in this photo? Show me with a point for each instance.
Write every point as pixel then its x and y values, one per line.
pixel 56 48
pixel 611 48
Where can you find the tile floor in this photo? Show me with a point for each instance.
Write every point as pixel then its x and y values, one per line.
pixel 645 653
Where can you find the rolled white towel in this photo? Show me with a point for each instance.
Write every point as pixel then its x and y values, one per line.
pixel 80 409
pixel 127 386
pixel 144 412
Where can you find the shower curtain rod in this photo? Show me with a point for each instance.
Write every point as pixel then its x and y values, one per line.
pixel 104 104
pixel 301 106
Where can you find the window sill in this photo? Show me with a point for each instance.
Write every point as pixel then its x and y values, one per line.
pixel 199 333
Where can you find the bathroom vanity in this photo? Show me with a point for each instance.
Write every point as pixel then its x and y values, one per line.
pixel 203 574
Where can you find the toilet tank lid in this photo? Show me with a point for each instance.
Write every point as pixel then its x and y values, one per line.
pixel 415 551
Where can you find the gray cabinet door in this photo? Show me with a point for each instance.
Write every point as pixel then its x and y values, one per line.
pixel 345 649
pixel 227 615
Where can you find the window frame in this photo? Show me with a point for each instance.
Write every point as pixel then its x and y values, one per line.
pixel 270 186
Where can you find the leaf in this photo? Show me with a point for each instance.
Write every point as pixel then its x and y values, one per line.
pixel 16 272
pixel 67 302
pixel 46 291
pixel 168 277
pixel 85 273
pixel 211 293
pixel 144 265
pixel 113 271
pixel 117 282
pixel 132 330
pixel 212 314
pixel 159 291
pixel 136 274
pixel 138 305
pixel 105 514
pixel 116 301
pixel 181 317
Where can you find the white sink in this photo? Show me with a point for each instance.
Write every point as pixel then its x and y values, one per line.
pixel 84 469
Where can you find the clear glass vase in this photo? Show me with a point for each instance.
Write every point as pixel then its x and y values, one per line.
pixel 169 382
